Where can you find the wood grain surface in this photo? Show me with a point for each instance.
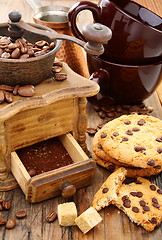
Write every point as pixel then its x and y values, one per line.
pixel 115 225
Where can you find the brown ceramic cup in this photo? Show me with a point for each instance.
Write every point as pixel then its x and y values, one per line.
pixel 123 84
pixel 136 31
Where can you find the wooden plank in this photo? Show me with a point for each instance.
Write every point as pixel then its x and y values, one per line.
pixel 115 225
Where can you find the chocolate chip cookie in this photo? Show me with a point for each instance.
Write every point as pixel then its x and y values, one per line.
pixel 141 201
pixel 135 140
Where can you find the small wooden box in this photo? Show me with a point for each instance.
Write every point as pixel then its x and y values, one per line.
pixel 47 185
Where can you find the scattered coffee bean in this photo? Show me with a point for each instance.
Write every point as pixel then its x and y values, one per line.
pixel 21 214
pixel 51 216
pixel 11 223
pixel 26 91
pixel 15 90
pixel 2 96
pixel 60 76
pixel 91 131
pixel 105 190
pixel 8 96
pixel 2 220
pixel 6 204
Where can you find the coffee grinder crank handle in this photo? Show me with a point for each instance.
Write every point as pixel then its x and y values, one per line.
pixel 95 34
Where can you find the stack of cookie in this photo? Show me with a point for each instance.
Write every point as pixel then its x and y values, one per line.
pixel 140 200
pixel 130 141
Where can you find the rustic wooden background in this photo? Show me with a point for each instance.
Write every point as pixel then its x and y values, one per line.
pixel 115 224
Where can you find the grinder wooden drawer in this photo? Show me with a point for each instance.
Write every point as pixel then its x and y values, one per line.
pixel 47 185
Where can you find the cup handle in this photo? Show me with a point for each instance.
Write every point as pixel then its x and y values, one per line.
pixel 101 76
pixel 78 7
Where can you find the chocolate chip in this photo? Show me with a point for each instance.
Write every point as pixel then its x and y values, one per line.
pixel 127 122
pixel 111 168
pixel 139 194
pixel 127 203
pixel 105 190
pixel 103 135
pixel 153 220
pixel 151 162
pixel 99 146
pixel 159 139
pixel 115 134
pixel 157 167
pixel 135 209
pixel 139 148
pixel 134 194
pixel 125 197
pixel 159 191
pixel 154 200
pixel 159 150
pixel 135 129
pixel 141 122
pixel 156 205
pixel 146 208
pixel 124 139
pixel 153 187
pixel 142 203
pixel 129 132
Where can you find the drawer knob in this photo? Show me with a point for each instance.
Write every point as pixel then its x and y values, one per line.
pixel 68 189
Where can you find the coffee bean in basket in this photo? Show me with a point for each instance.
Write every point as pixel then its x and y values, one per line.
pixel 21 49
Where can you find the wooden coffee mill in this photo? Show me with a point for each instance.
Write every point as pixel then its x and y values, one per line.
pixel 58 109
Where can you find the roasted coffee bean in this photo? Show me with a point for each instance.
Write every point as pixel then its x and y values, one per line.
pixel 21 214
pixel 6 88
pixel 12 46
pixel 52 45
pixel 5 55
pixel 24 56
pixel 15 90
pixel 1 51
pixel 91 131
pixel 8 97
pixel 1 207
pixel 26 91
pixel 51 216
pixel 111 114
pixel 11 223
pixel 6 205
pixel 60 76
pixel 2 220
pixel 102 114
pixel 96 108
pixel 2 96
pixel 56 69
pixel 16 53
pixel 41 43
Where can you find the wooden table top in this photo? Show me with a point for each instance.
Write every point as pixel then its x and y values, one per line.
pixel 115 224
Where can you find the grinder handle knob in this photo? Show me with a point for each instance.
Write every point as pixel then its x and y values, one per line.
pixel 68 189
pixel 14 16
pixel 96 35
